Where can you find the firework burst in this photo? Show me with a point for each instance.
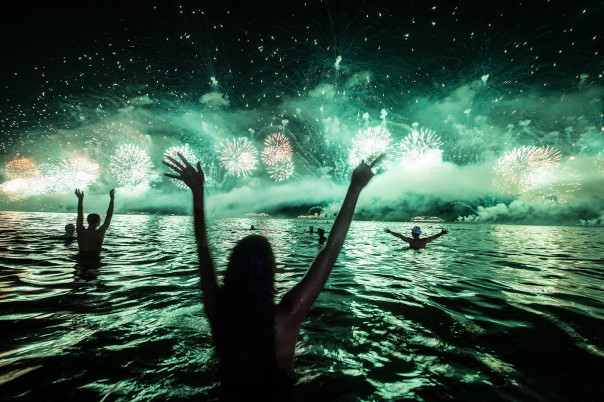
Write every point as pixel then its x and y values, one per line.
pixel 238 157
pixel 22 168
pixel 281 171
pixel 535 172
pixel 17 188
pixel 277 155
pixel 77 172
pixel 31 180
pixel 131 166
pixel 277 149
pixel 369 144
pixel 514 170
pixel 419 146
pixel 552 184
pixel 23 174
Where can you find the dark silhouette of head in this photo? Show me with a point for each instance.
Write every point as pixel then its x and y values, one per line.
pixel 245 319
pixel 94 220
pixel 321 232
pixel 69 229
pixel 415 232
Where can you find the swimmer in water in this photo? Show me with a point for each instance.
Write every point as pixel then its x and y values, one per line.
pixel 415 242
pixel 255 338
pixel 90 240
pixel 69 231
pixel 322 237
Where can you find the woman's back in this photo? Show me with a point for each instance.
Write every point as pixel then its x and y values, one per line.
pixel 244 329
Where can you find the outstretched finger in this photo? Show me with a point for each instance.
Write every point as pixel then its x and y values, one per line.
pixel 199 167
pixel 173 176
pixel 184 160
pixel 172 166
pixel 377 160
pixel 175 162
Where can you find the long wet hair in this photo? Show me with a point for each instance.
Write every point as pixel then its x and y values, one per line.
pixel 245 319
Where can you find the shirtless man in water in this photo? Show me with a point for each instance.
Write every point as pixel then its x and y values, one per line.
pixel 416 243
pixel 91 239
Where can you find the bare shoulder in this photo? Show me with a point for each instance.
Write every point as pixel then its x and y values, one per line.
pixel 288 317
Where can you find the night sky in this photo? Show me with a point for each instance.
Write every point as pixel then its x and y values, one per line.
pixel 490 80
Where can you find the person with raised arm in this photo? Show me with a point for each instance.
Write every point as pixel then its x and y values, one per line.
pixel 90 240
pixel 255 338
pixel 416 242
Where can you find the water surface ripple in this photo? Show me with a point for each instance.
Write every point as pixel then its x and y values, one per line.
pixel 488 312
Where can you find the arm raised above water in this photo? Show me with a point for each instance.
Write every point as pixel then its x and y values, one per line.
pixel 194 179
pixel 436 236
pixel 400 236
pixel 109 215
pixel 297 301
pixel 80 220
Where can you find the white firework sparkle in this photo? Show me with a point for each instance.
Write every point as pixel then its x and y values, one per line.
pixel 131 166
pixel 21 168
pixel 514 170
pixel 552 184
pixel 369 144
pixel 281 171
pixel 78 172
pixel 419 146
pixel 238 157
pixel 277 155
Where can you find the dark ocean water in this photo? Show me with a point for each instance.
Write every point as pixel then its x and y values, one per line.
pixel 487 312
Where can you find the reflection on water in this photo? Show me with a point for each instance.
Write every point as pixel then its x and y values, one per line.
pixel 486 312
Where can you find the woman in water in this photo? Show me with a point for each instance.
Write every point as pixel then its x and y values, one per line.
pixel 256 338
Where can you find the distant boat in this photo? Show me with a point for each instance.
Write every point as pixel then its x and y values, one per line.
pixel 427 219
pixel 309 217
pixel 257 214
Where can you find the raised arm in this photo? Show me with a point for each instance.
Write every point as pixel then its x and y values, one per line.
pixel 195 179
pixel 400 236
pixel 109 215
pixel 436 236
pixel 298 300
pixel 80 220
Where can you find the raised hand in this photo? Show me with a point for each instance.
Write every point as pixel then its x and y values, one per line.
pixel 79 193
pixel 112 193
pixel 444 231
pixel 194 179
pixel 387 230
pixel 362 174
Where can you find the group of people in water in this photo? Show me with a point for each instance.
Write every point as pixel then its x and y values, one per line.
pixel 255 337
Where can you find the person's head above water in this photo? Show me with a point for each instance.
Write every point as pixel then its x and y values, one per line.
pixel 252 255
pixel 321 232
pixel 416 231
pixel 94 220
pixel 69 229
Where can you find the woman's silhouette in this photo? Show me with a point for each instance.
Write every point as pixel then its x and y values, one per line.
pixel 256 338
